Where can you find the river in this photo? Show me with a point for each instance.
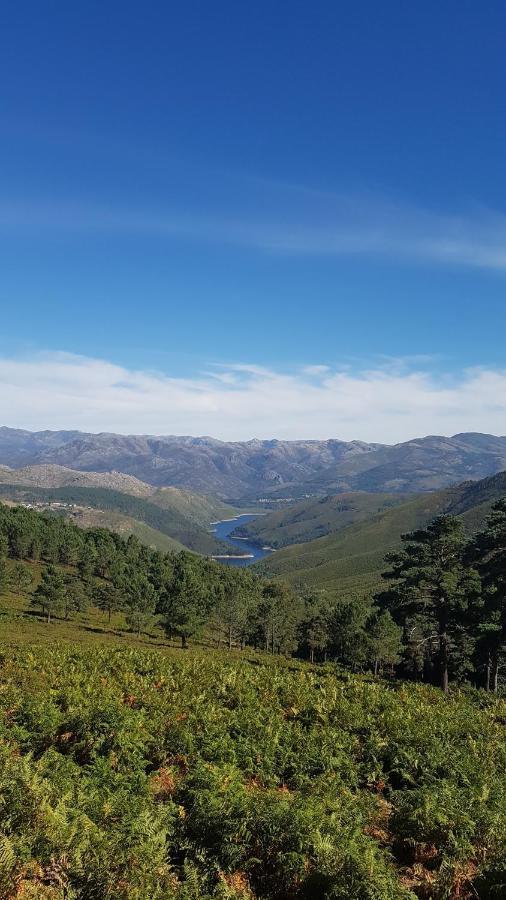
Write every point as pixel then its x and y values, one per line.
pixel 250 552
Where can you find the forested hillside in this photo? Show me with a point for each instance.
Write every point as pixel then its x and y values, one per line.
pixel 316 517
pixel 51 567
pixel 181 517
pixel 352 559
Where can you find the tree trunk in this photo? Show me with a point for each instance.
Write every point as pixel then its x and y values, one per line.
pixel 376 667
pixel 495 672
pixel 110 616
pixel 48 617
pixel 443 652
pixel 311 654
pixel 183 642
pixel 488 671
pixel 229 637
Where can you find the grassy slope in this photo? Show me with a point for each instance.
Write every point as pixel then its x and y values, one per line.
pixel 198 508
pixel 314 518
pixel 177 515
pixel 126 525
pixel 352 559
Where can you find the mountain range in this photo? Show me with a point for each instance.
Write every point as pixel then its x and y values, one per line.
pixel 275 470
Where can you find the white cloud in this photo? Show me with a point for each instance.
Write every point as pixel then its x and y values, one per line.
pixel 385 403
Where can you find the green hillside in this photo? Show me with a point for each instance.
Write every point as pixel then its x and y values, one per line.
pixel 177 516
pixel 198 508
pixel 316 517
pixel 352 559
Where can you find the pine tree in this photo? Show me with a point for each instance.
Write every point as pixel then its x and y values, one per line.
pixel 279 613
pixel 314 627
pixel 4 580
pixel 139 599
pixel 432 584
pixel 20 578
pixel 108 598
pixel 77 598
pixel 234 593
pixel 488 553
pixel 50 594
pixel 187 599
pixel 384 639
pixel 347 631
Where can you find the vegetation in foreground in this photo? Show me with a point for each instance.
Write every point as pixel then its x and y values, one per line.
pixel 125 774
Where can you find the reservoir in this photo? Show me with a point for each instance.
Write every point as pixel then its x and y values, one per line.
pixel 250 552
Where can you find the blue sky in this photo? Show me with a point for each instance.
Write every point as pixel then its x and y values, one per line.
pixel 198 193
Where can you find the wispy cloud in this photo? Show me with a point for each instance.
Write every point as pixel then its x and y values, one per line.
pixel 296 222
pixel 385 403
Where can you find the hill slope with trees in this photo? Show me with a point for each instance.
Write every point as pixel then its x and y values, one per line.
pixel 166 518
pixel 351 560
pixel 316 517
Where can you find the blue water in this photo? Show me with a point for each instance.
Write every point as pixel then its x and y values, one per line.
pixel 222 530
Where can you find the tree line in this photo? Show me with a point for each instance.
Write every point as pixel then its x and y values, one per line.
pixel 441 616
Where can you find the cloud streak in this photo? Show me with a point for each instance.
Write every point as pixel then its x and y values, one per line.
pixel 387 403
pixel 295 222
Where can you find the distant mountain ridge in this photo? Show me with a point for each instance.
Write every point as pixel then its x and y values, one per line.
pixel 249 470
pixel 54 476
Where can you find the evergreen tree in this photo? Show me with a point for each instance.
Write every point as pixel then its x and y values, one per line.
pixel 108 598
pixel 233 594
pixel 384 640
pixel 431 583
pixel 488 553
pixel 347 634
pixel 187 599
pixel 4 579
pixel 77 598
pixel 86 562
pixel 139 599
pixel 314 627
pixel 50 594
pixel 279 614
pixel 20 578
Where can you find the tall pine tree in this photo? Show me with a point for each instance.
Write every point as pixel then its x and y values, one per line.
pixel 488 553
pixel 431 584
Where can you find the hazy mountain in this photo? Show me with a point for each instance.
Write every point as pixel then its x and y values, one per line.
pixel 255 469
pixel 53 476
pixel 352 558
